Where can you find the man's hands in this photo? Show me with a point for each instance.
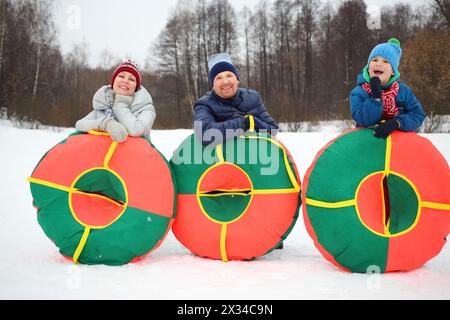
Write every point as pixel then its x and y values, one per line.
pixel 259 125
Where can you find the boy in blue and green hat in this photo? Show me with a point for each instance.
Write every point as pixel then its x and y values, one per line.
pixel 380 99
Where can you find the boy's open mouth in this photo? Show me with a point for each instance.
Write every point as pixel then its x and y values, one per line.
pixel 378 72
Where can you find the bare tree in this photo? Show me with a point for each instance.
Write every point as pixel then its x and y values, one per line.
pixel 107 62
pixel 326 61
pixel 204 29
pixel 308 23
pixel 443 7
pixel 42 33
pixel 425 67
pixel 221 26
pixel 397 20
pixel 77 65
pixel 246 14
pixel 352 46
pixel 282 21
pixel 2 30
pixel 169 51
pixel 188 29
pixel 201 51
pixel 261 35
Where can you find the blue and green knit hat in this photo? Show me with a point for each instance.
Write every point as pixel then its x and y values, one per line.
pixel 390 51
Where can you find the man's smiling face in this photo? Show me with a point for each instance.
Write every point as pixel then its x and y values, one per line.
pixel 226 84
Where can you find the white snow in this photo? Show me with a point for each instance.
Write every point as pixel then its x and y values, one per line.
pixel 32 268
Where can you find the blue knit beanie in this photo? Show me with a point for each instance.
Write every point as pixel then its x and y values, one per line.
pixel 218 63
pixel 390 51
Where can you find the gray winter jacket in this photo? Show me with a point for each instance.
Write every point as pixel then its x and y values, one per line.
pixel 135 113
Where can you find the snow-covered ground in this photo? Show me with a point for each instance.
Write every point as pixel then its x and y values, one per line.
pixel 31 267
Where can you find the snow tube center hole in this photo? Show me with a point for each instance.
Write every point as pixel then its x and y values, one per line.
pixel 224 192
pixel 99 198
pixel 388 205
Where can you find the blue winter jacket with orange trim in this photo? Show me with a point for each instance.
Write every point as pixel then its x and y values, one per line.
pixel 214 112
pixel 367 111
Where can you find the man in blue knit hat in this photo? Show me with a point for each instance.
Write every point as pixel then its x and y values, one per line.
pixel 380 99
pixel 224 112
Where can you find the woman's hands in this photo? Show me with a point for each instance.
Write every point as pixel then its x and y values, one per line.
pixel 116 130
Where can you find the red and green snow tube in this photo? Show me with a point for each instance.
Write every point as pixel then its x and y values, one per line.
pixel 103 202
pixel 378 205
pixel 236 201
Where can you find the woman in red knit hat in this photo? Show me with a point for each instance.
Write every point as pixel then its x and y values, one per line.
pixel 122 108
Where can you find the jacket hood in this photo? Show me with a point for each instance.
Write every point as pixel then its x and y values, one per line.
pixel 105 96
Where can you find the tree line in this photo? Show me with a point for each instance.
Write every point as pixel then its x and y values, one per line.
pixel 303 56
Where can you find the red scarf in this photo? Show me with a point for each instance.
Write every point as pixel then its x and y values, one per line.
pixel 390 109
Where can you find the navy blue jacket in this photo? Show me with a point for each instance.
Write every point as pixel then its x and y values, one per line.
pixel 214 112
pixel 367 111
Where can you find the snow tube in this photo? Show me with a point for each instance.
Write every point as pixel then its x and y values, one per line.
pixel 102 202
pixel 237 200
pixel 378 205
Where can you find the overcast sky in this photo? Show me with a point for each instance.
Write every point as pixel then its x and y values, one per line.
pixel 128 28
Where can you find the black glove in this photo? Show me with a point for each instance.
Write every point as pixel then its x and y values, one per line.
pixel 375 87
pixel 259 125
pixel 386 128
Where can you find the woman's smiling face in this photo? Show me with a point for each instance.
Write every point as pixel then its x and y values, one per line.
pixel 381 68
pixel 125 84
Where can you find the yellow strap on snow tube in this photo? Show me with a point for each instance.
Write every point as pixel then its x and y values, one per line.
pixel 252 123
pixel 98 133
pixel 81 244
